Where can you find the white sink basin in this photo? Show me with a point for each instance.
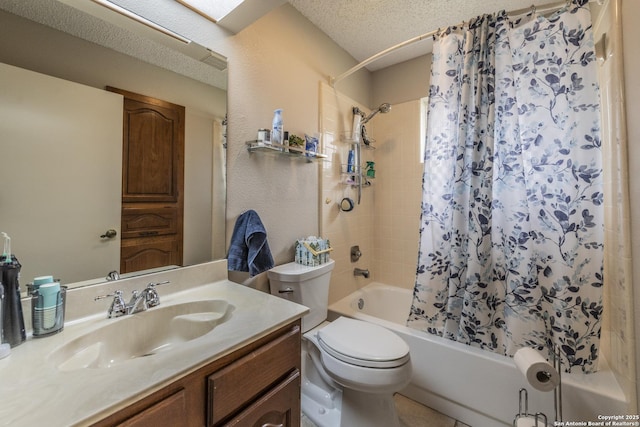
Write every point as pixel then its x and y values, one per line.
pixel 143 334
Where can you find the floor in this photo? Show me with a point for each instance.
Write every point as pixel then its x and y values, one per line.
pixel 413 414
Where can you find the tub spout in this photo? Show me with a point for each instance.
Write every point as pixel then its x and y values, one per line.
pixel 361 272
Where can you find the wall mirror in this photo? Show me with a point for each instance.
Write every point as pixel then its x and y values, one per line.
pixel 57 184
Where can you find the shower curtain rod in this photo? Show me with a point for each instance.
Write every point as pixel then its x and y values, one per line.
pixel 542 8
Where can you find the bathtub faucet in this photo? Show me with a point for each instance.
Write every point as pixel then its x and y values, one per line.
pixel 361 272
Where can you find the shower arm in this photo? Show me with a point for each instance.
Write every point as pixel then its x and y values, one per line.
pixel 365 120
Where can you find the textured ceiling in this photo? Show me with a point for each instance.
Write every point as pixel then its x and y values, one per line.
pixel 365 27
pixel 138 42
pixel 362 27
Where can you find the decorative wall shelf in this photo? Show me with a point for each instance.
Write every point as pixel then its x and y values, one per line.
pixel 357 177
pixel 352 178
pixel 284 150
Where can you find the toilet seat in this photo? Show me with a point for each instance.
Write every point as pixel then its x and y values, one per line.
pixel 363 344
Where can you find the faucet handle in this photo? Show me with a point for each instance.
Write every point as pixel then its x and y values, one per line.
pixel 114 294
pixel 151 294
pixel 118 307
pixel 154 284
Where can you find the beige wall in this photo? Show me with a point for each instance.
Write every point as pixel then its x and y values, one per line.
pixel 279 62
pixel 402 82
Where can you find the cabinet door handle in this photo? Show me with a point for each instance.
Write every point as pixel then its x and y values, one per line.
pixel 272 425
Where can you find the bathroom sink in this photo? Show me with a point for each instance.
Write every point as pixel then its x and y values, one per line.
pixel 144 334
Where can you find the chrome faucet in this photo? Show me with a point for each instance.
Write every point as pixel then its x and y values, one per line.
pixel 140 301
pixel 361 272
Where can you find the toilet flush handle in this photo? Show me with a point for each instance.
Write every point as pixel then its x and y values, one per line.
pixel 286 291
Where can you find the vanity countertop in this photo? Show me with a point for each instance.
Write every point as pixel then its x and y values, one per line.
pixel 34 392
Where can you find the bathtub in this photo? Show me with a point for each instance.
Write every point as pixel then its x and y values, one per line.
pixel 475 386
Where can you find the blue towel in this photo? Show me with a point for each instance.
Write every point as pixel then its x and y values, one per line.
pixel 249 250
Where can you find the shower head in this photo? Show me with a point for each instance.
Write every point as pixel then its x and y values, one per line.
pixel 383 108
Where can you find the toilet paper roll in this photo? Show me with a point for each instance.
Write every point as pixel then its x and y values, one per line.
pixel 538 372
pixel 529 421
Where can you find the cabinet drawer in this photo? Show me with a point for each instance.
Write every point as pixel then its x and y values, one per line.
pixel 240 383
pixel 148 221
pixel 280 407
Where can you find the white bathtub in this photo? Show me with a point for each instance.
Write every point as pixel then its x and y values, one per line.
pixel 477 387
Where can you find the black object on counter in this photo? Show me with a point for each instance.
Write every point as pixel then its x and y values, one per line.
pixel 12 318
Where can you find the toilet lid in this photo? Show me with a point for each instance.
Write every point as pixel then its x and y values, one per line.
pixel 363 344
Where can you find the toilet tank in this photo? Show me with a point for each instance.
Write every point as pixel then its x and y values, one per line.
pixel 304 285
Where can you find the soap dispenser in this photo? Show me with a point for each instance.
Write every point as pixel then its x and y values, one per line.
pixel 12 318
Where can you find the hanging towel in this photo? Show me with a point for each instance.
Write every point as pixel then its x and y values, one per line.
pixel 249 250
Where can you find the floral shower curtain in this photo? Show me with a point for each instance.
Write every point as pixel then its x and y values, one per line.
pixel 511 239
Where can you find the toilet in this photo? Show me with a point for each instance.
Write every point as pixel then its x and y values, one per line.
pixel 350 368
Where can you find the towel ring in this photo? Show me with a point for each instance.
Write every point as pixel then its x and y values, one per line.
pixel 346 205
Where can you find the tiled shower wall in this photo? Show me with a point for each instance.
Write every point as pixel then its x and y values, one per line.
pixel 385 224
pixel 618 329
pixel 343 229
pixel 398 194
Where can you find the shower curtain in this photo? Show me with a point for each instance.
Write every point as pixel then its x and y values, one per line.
pixel 511 238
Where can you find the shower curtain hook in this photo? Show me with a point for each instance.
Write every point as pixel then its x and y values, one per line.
pixel 533 9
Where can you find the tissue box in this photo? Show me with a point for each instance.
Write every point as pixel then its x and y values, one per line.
pixel 312 251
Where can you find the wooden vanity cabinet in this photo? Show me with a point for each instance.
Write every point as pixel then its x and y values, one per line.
pixel 257 385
